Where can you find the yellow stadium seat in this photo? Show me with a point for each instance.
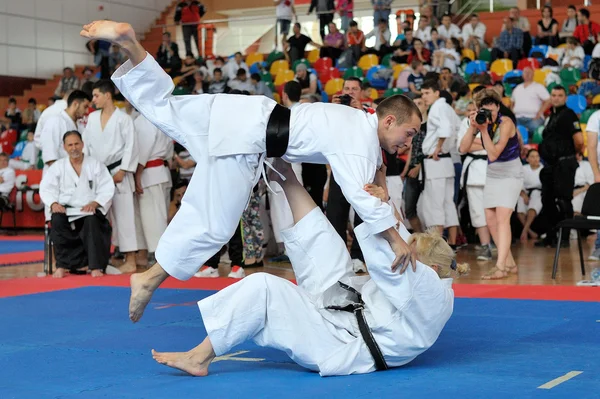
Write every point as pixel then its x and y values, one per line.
pixel 596 99
pixel 539 75
pixel 334 85
pixel 368 61
pixel 468 53
pixel 177 80
pixel 554 56
pixel 41 107
pixel 399 68
pixel 374 94
pixel 277 98
pixel 473 85
pixel 313 56
pixel 120 104
pixel 283 77
pixel 279 66
pixel 500 67
pixel 506 101
pixel 563 45
pixel 252 58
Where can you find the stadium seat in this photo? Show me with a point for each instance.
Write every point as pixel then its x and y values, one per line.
pixel 266 77
pixel 513 78
pixel 485 55
pixel 476 67
pixel 473 85
pixel 312 56
pixel 577 103
pixel 569 76
pixel 596 99
pixel 500 67
pixel 374 94
pixel 284 77
pixel 468 53
pixel 353 72
pixel 392 92
pixel 277 98
pixel 506 101
pixel 386 60
pixel 298 62
pixel 539 75
pixel 508 89
pixel 532 63
pixel 253 58
pixel 274 56
pixel 368 61
pixel 327 74
pixel 376 82
pixel 399 68
pixel 585 116
pixel 586 63
pixel 333 86
pixel 538 52
pixel 551 86
pixel 180 91
pixel 257 67
pixel 323 64
pixel 279 66
pixel 524 133
pixel 538 135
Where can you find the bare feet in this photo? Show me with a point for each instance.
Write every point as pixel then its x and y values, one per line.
pixel 59 273
pixel 108 30
pixel 97 273
pixel 524 236
pixel 194 362
pixel 140 296
pixel 495 273
pixel 128 267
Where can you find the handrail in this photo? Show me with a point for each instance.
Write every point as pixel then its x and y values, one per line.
pixel 474 4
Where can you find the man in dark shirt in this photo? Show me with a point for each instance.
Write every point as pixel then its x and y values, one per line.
pixel 188 13
pixel 296 44
pixel 562 140
pixel 168 55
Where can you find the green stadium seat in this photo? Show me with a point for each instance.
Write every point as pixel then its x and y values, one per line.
pixel 537 135
pixel 298 62
pixel 485 55
pixel 266 77
pixel 551 86
pixel 353 72
pixel 585 115
pixel 570 76
pixel 392 92
pixel 274 56
pixel 386 60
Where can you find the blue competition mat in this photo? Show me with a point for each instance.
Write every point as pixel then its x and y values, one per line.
pixel 11 247
pixel 79 343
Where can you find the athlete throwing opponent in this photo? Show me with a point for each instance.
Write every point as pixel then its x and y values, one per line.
pixel 229 136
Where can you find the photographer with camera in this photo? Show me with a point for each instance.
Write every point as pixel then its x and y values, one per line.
pixel 504 175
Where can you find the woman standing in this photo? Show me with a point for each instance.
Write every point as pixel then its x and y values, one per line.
pixel 504 176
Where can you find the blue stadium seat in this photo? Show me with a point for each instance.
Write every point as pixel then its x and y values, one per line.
pixel 255 68
pixel 476 67
pixel 577 103
pixel 586 63
pixel 376 83
pixel 509 77
pixel 524 133
pixel 538 51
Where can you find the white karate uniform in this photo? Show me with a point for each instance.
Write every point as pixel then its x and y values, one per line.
pixel 54 109
pixel 117 142
pixel 8 183
pixel 531 181
pixel 438 194
pixel 153 205
pixel 30 154
pixel 51 137
pixel 280 211
pixel 225 134
pixel 62 185
pixel 476 180
pixel 452 32
pixel 584 175
pixel 405 312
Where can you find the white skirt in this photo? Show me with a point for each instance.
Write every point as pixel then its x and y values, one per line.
pixel 503 184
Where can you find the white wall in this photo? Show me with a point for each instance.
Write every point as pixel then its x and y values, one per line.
pixel 40 37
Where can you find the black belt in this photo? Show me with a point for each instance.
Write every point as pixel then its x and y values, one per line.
pixel 445 155
pixel 578 187
pixel 278 132
pixel 463 192
pixel 365 331
pixel 114 165
pixel 530 190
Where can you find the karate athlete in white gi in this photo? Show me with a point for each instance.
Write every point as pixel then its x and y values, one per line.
pixel 438 169
pixel 79 191
pixel 473 178
pixel 152 179
pixel 54 109
pixel 529 204
pixel 333 322
pixel 110 138
pixel 229 137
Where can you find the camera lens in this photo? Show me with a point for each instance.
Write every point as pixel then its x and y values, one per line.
pixel 480 118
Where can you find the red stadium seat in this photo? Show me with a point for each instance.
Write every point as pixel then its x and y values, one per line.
pixel 533 63
pixel 327 74
pixel 322 64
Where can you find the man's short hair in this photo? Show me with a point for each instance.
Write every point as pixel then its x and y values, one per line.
pixel 572 7
pixel 220 59
pixel 352 24
pixel 4 155
pixel 255 76
pixel 584 12
pixel 77 95
pixel 293 90
pixel 474 16
pixel 431 84
pixel 167 34
pixel 72 133
pixel 12 100
pixel 382 21
pixel 406 30
pixel 67 69
pixel 240 72
pixel 32 101
pixel 415 64
pixel 365 85
pixel 105 86
pixel 434 30
pixel 447 69
pixel 237 53
pixel 446 15
pixel 402 107
pixel 353 79
pixel 560 88
pixel 477 89
pixel 219 70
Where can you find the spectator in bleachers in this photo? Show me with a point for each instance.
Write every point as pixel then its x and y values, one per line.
pixel 381 10
pixel 100 49
pixel 345 9
pixel 168 55
pixel 308 81
pixel 51 101
pixel 452 84
pixel 219 62
pixel 198 87
pixel 521 23
pixel 241 81
pixel 596 51
pixel 260 87
pixel 427 12
pixel 296 45
pixel 510 43
pixel 285 13
pixel 25 155
pixel 529 204
pixel 234 65
pixel 382 38
pixel 587 31
pixel 219 83
pixel 436 42
pixel 404 47
pixel 584 178
pixel 401 28
pixel 68 82
pixel 78 189
pixel 447 29
pixel 7 180
pixel 417 77
pixel 31 115
pixel 447 57
pixel 573 55
pixel 333 45
pixel 115 58
pixel 423 32
pixel 355 40
pixel 570 23
pixel 188 14
pixel 419 52
pixel 8 137
pixel 13 114
pixel 547 28
pixel 473 34
pixel 184 162
pixel 88 77
pixel 530 100
pixel 324 10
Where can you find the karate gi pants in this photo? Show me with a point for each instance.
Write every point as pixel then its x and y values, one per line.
pixel 438 202
pixel 153 215
pixel 210 211
pixel 476 208
pixel 275 313
pixel 87 244
pixel 122 216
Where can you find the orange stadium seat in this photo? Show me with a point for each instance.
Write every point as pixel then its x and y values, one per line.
pixel 279 66
pixel 283 77
pixel 334 85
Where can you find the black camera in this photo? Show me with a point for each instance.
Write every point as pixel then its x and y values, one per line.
pixel 483 115
pixel 345 99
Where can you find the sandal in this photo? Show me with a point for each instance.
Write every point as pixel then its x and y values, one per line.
pixel 513 269
pixel 495 274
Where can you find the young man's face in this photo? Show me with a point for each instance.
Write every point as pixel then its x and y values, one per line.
pixel 429 96
pixel 393 137
pixel 421 105
pixel 3 162
pixel 100 99
pixel 218 76
pixel 30 136
pixel 82 109
pixel 31 106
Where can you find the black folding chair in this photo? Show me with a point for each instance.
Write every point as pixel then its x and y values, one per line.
pixel 47 250
pixel 588 220
pixel 9 207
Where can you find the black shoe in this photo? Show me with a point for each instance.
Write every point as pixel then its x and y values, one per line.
pixel 543 243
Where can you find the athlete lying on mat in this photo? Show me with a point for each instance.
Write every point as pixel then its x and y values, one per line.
pixel 320 323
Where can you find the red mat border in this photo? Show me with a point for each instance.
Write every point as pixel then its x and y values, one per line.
pixel 22 238
pixel 20 258
pixel 33 285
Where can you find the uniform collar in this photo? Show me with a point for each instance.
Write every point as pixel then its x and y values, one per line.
pixel 556 110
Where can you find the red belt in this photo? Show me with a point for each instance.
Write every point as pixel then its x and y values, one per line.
pixel 154 163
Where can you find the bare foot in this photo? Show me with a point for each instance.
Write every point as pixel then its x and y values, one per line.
pixel 524 236
pixel 59 273
pixel 140 296
pixel 190 362
pixel 97 273
pixel 495 273
pixel 533 235
pixel 109 30
pixel 128 267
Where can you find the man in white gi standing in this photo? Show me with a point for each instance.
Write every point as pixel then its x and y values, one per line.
pixel 229 136
pixel 54 109
pixel 79 191
pixel 110 138
pixel 438 169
